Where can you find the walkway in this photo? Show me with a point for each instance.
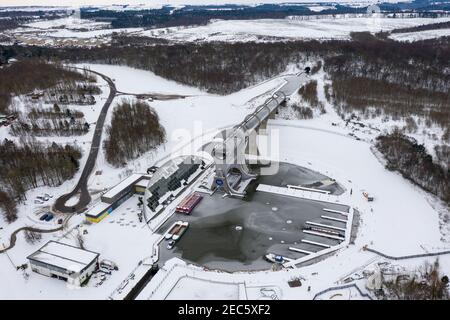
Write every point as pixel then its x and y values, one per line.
pixel 81 187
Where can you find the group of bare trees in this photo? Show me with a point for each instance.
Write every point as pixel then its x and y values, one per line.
pixel 223 67
pixel 32 237
pixel 304 109
pixel 134 130
pixel 387 78
pixel 49 127
pixel 423 27
pixel 49 122
pixel 27 75
pixel 30 164
pixel 308 92
pixel 428 283
pixel 8 206
pixel 411 159
pixel 27 163
pixel 379 97
pixel 443 155
pixel 372 75
pixel 78 93
pixel 218 67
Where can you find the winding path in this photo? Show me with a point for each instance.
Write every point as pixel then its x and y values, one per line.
pixel 81 186
pixel 13 238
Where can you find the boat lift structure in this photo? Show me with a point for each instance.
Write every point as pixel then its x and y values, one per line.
pixel 229 152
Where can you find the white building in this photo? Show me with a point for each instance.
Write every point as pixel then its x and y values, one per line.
pixel 65 262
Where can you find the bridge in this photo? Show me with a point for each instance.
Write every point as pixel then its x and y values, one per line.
pixel 232 173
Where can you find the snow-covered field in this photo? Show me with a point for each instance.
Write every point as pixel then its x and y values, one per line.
pixel 65 33
pixel 137 81
pixel 420 35
pixel 67 23
pixel 159 3
pixel 80 32
pixel 182 120
pixel 400 221
pixel 113 238
pixel 400 209
pixel 251 30
pixel 203 290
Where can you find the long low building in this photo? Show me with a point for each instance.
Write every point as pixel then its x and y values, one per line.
pixel 134 184
pixel 65 262
pixel 125 187
pixel 170 177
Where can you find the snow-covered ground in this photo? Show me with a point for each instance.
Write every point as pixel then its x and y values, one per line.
pixel 320 8
pixel 29 212
pixel 67 23
pixel 182 120
pixel 67 33
pixel 401 210
pixel 420 35
pixel 203 290
pixel 321 28
pixel 137 81
pixel 112 238
pixel 400 221
pixel 72 31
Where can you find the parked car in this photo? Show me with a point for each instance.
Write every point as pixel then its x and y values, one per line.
pixel 43 217
pixel 108 264
pixel 42 198
pixel 38 202
pixel 171 245
pixel 270 257
pixel 49 217
pixel 104 271
pixel 48 195
pixel 152 169
pixel 104 267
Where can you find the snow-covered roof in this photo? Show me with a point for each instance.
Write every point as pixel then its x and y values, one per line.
pixel 97 209
pixel 142 183
pixel 114 191
pixel 64 256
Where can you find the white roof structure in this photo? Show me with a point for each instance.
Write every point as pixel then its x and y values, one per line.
pixel 122 185
pixel 142 183
pixel 97 209
pixel 64 256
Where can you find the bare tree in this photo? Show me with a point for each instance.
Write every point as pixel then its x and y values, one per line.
pixel 32 237
pixel 426 284
pixel 8 207
pixel 80 240
pixel 134 130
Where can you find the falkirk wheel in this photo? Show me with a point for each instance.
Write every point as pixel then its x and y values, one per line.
pixel 229 153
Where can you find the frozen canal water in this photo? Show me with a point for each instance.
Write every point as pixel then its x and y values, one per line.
pixel 234 234
pixel 290 174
